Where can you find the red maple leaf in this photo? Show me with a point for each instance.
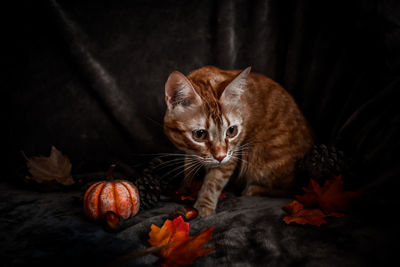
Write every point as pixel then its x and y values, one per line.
pixel 178 248
pixel 301 215
pixel 330 197
pixel 320 202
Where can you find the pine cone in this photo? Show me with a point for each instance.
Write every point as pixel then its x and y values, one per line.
pixel 322 163
pixel 149 192
pixel 151 184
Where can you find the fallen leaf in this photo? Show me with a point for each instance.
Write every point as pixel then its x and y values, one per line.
pixel 179 249
pixel 55 168
pixel 301 215
pixel 330 197
pixel 183 198
pixel 320 202
pixel 309 199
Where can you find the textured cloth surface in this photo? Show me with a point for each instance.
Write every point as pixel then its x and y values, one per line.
pixel 51 229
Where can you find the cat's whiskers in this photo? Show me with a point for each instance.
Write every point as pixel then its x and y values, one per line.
pixel 194 171
pixel 186 163
pixel 239 158
pixel 244 163
pixel 191 171
pixel 242 148
pixel 172 171
pixel 239 152
pixel 242 151
pixel 163 155
pixel 246 145
pixel 208 161
pixel 177 158
pixel 168 163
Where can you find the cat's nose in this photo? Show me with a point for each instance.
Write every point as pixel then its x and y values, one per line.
pixel 220 157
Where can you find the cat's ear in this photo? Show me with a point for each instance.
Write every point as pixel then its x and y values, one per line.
pixel 180 92
pixel 235 88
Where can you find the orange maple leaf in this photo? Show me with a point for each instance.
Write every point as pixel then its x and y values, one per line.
pixel 301 215
pixel 179 248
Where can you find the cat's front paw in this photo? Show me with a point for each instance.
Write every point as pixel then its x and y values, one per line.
pixel 203 210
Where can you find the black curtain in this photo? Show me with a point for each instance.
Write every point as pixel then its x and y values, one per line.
pixel 88 76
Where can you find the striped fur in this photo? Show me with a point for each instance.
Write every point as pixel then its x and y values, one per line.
pixel 272 134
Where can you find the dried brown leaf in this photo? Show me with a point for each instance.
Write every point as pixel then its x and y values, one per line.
pixel 55 168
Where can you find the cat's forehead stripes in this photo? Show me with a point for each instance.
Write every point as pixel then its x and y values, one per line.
pixel 214 113
pixel 210 94
pixel 213 110
pixel 213 130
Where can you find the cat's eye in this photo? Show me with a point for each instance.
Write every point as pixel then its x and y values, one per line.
pixel 199 135
pixel 232 131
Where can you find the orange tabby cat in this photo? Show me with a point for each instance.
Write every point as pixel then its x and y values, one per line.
pixel 227 120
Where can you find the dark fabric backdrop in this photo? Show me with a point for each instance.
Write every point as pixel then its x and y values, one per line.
pixel 88 76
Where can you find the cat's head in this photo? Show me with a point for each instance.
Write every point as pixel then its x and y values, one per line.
pixel 205 115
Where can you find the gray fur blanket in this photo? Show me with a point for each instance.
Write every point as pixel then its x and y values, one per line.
pixel 51 229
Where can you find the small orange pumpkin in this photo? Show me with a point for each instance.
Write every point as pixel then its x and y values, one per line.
pixel 118 196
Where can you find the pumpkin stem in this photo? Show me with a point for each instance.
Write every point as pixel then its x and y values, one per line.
pixel 110 172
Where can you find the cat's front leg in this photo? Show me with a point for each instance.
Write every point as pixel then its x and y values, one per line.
pixel 214 181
